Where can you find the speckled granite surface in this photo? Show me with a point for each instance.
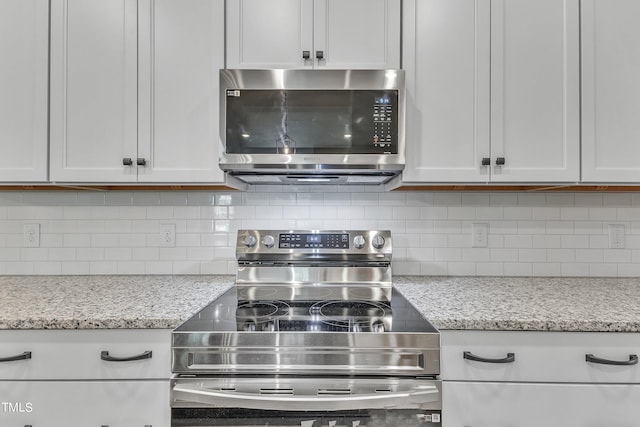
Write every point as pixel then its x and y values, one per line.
pixel 539 304
pixel 493 303
pixel 92 302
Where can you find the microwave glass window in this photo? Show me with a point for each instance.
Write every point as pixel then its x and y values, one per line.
pixel 311 121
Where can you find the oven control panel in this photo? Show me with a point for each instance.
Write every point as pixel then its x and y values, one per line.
pixel 298 245
pixel 314 240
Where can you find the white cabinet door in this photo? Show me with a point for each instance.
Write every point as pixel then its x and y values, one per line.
pixel 610 91
pixel 500 80
pixel 334 34
pixel 535 90
pixel 85 403
pixel 24 46
pixel 93 90
pixel 447 77
pixel 356 34
pixel 181 51
pixel 468 404
pixel 269 34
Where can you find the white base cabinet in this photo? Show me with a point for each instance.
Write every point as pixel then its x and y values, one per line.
pixel 63 379
pixel 85 403
pixel 544 379
pixel 479 404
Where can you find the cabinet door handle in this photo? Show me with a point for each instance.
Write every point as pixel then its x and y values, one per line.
pixel 24 356
pixel 319 55
pixel 511 357
pixel 306 55
pixel 104 355
pixel 500 161
pixel 127 161
pixel 141 161
pixel 633 360
pixel 486 161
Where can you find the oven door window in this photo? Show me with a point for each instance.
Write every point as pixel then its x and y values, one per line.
pixel 311 122
pixel 201 417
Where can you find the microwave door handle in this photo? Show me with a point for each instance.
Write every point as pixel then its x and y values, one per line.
pixel 222 398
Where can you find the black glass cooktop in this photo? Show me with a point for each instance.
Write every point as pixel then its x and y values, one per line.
pixel 339 310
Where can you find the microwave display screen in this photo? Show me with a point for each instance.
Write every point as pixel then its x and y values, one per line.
pixel 311 121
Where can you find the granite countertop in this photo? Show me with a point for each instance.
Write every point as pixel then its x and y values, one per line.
pixel 490 303
pixel 104 302
pixel 519 304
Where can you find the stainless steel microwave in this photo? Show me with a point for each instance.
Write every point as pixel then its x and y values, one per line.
pixel 312 126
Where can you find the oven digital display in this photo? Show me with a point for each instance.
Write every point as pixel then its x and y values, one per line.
pixel 303 240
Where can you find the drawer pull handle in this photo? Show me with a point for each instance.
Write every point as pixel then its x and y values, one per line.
pixel 105 356
pixel 511 357
pixel 633 360
pixel 24 356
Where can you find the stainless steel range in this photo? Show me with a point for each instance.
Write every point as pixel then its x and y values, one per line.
pixel 313 334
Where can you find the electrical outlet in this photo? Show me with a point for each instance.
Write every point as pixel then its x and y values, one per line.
pixel 32 235
pixel 167 235
pixel 479 235
pixel 616 236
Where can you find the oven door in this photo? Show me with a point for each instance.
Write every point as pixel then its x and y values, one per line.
pixel 305 402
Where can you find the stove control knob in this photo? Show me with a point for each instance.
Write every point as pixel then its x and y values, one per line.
pixel 250 241
pixel 359 241
pixel 378 242
pixel 268 241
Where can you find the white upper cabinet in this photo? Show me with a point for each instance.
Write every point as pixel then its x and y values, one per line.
pixel 134 93
pixel 24 44
pixel 93 90
pixel 493 96
pixel 326 34
pixel 181 52
pixel 610 91
pixel 535 90
pixel 448 99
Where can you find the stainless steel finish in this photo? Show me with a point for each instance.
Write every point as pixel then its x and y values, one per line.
pixel 321 394
pixel 281 168
pixel 328 256
pixel 312 326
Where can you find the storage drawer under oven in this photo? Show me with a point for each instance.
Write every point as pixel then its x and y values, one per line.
pixel 305 402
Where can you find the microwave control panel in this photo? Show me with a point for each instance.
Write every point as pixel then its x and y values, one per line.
pixel 382 122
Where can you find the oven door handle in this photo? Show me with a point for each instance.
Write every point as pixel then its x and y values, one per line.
pixel 225 399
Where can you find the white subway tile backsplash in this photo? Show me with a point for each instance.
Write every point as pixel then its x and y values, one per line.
pixel 547 269
pixel 489 213
pixel 545 213
pixel 616 199
pixel 75 268
pixel 589 255
pixel 575 242
pixel 406 213
pixel 603 270
pixel 532 255
pixel 542 234
pixel 518 269
pixel 347 212
pixel 576 214
pixel 561 199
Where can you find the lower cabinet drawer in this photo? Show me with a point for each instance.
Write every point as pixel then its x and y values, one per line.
pixel 474 404
pixel 540 356
pixel 81 354
pixel 85 403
